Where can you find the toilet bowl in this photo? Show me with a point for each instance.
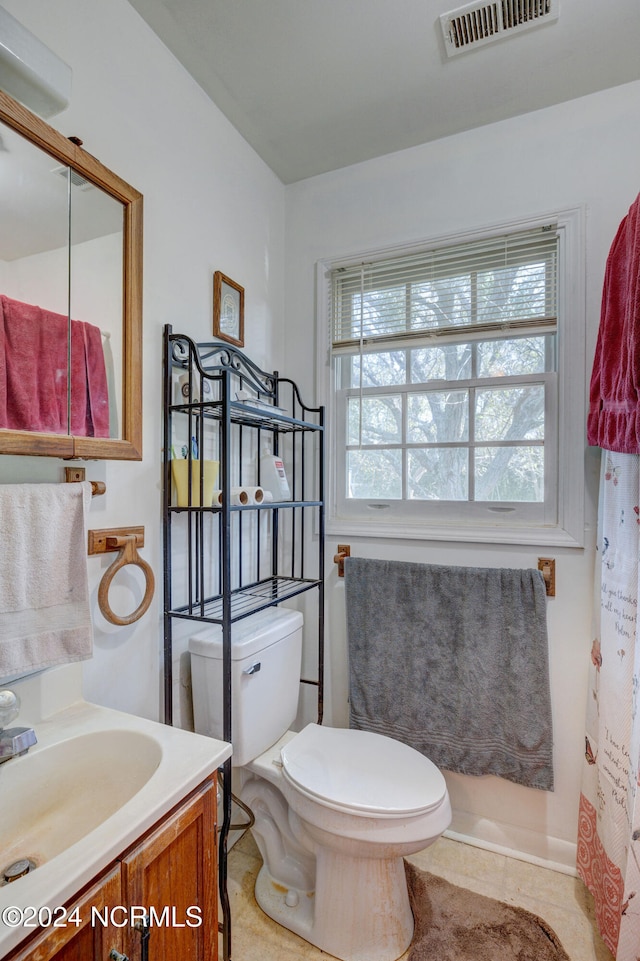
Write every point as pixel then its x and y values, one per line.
pixel 336 810
pixel 357 803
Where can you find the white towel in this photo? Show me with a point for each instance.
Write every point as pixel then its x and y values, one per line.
pixel 44 593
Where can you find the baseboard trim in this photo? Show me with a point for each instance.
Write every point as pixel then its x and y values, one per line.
pixel 513 842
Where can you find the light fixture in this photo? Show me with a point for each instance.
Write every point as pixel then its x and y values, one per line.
pixel 29 71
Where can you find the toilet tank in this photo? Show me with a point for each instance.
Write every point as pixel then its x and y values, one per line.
pixel 266 655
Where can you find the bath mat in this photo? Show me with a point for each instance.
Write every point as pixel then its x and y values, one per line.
pixel 453 924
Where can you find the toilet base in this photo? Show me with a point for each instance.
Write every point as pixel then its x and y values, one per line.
pixel 297 917
pixel 363 908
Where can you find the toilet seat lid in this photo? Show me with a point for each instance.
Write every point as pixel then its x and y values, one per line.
pixel 362 773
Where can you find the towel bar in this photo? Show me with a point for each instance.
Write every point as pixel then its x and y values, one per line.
pixel 75 475
pixel 344 550
pixel 548 567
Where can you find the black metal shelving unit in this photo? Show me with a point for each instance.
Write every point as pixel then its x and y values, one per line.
pixel 225 562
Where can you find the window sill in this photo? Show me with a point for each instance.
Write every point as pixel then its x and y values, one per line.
pixel 470 533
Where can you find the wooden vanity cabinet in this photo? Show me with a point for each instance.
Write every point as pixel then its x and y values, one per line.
pixel 171 874
pixel 174 871
pixel 82 941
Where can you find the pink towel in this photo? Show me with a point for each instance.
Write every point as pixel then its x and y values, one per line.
pixel 33 372
pixel 89 393
pixel 613 422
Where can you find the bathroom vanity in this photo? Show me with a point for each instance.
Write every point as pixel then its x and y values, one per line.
pixel 172 869
pixel 118 816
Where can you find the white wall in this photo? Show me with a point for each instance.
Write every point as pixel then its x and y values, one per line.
pixel 582 153
pixel 209 204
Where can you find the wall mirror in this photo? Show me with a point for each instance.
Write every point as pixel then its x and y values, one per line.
pixel 70 297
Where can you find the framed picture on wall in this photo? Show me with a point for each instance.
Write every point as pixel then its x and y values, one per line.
pixel 228 309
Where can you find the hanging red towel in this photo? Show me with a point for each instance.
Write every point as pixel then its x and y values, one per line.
pixel 34 372
pixel 89 393
pixel 613 422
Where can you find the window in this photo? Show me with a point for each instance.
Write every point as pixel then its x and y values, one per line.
pixel 448 398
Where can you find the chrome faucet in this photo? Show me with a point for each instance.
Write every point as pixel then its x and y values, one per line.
pixel 14 741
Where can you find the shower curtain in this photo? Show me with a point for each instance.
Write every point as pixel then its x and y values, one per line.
pixel 609 818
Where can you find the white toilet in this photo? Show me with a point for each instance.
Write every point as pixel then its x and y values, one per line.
pixel 336 810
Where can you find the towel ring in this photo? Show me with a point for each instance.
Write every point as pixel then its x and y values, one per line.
pixel 127 554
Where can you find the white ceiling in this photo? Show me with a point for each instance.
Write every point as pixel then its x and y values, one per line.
pixel 315 85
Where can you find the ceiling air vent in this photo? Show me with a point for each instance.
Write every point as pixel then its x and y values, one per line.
pixel 479 23
pixel 77 180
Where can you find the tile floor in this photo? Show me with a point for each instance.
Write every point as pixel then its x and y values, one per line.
pixel 561 900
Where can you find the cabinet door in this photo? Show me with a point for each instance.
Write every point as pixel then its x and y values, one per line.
pixel 79 935
pixel 172 875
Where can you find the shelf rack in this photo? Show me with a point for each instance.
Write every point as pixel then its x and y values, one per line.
pixel 225 562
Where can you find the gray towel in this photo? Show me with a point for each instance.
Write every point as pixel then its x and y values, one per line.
pixel 454 662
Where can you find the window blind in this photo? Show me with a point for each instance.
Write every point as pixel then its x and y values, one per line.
pixel 504 284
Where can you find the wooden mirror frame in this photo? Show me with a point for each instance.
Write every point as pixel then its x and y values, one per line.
pixel 129 445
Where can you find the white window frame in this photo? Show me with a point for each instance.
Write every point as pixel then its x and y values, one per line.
pixel 418 519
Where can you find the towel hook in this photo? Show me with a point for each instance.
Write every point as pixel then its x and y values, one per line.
pixel 126 541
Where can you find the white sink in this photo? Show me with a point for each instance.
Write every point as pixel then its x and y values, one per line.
pixel 94 783
pixel 53 797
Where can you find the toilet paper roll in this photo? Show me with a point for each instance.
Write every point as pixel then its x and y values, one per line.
pixel 189 388
pixel 241 496
pixel 255 494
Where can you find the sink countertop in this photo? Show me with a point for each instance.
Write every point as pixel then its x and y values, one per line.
pixel 186 760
